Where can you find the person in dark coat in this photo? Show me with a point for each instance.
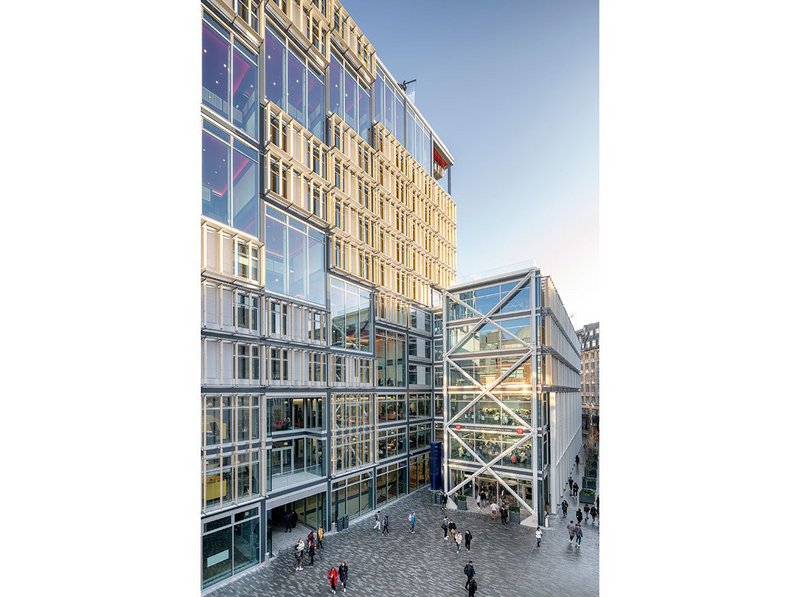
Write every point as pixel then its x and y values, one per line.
pixel 343 575
pixel 586 512
pixel 452 528
pixel 386 525
pixel 577 461
pixel 575 489
pixel 467 539
pixel 310 538
pixel 311 552
pixel 578 534
pixel 579 515
pixel 593 512
pixel 472 587
pixel 469 570
pixel 287 523
pixel 444 527
pixel 294 519
pixel 564 507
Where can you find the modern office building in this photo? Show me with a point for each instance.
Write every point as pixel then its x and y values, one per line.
pixel 328 236
pixel 589 337
pixel 512 392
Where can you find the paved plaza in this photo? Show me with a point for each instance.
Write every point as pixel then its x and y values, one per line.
pixel 506 560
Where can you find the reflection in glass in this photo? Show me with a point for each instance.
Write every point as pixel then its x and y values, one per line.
pixel 276 58
pixel 245 98
pixel 316 104
pixel 335 73
pixel 297 82
pixel 350 98
pixel 216 155
pixel 216 61
pixel 245 193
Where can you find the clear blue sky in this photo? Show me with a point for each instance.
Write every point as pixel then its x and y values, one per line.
pixel 526 182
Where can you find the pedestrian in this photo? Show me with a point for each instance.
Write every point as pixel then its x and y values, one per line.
pixel 298 555
pixel 577 461
pixel 333 576
pixel 578 515
pixel 412 518
pixel 538 537
pixel 444 527
pixel 483 498
pixel 377 521
pixel 294 519
pixel 310 538
pixel 593 512
pixel 469 570
pixel 452 527
pixel 386 525
pixel 586 512
pixel 311 552
pixel 569 481
pixel 574 489
pixel 467 539
pixel 571 531
pixel 578 534
pixel 343 575
pixel 472 586
pixel 493 508
pixel 458 542
pixel 503 514
pixel 287 523
pixel 564 507
pixel 320 535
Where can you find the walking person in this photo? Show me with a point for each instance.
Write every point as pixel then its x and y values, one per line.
pixel 386 525
pixel 467 539
pixel 343 575
pixel 287 523
pixel 577 461
pixel 593 512
pixel 472 586
pixel 483 498
pixel 444 527
pixel 320 535
pixel 504 514
pixel 469 570
pixel 377 521
pixel 564 507
pixel 578 534
pixel 452 527
pixel 459 538
pixel 310 538
pixel 311 552
pixel 538 537
pixel 412 518
pixel 578 515
pixel 493 508
pixel 571 531
pixel 575 489
pixel 569 482
pixel 333 576
pixel 586 512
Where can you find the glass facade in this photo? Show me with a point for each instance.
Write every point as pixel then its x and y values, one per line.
pixel 390 353
pixel 391 482
pixel 295 258
pixel 352 496
pixel 351 316
pixel 348 98
pixel 230 544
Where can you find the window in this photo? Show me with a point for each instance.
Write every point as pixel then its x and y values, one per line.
pixel 351 317
pixel 295 258
pixel 390 358
pixel 279 364
pixel 316 104
pixel 391 442
pixel 229 164
pixel 230 77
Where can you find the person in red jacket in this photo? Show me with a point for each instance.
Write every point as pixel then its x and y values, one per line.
pixel 333 576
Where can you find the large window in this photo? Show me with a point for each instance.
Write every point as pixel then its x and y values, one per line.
pixel 352 431
pixel 295 256
pixel 230 544
pixel 390 351
pixel 419 471
pixel 391 408
pixel 352 496
pixel 392 442
pixel 229 180
pixel 230 478
pixel 390 483
pixel 351 318
pixel 296 460
pixel 390 108
pixel 348 98
pixel 230 77
pixel 292 413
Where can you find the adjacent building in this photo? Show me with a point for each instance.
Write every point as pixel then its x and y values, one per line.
pixel 589 337
pixel 328 233
pixel 511 398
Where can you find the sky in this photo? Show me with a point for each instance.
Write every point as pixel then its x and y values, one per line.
pixel 511 88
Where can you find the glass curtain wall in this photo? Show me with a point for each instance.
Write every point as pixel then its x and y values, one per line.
pixel 348 98
pixel 230 544
pixel 352 496
pixel 390 352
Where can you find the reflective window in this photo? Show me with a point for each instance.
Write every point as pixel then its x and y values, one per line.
pixel 390 349
pixel 245 98
pixel 245 192
pixel 295 255
pixel 316 104
pixel 351 320
pixel 378 91
pixel 297 83
pixel 216 165
pixel 276 58
pixel 335 72
pixel 350 100
pixel 363 113
pixel 216 61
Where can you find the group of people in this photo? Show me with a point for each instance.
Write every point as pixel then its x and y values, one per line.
pixel 308 546
pixel 385 525
pixel 335 576
pixel 449 528
pixel 471 585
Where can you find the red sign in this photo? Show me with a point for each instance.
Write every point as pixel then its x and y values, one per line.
pixel 519 430
pixel 458 426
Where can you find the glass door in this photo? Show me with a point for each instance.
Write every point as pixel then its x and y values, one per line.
pixel 281 460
